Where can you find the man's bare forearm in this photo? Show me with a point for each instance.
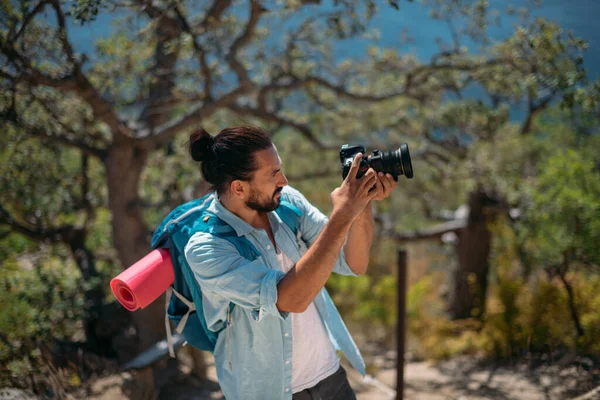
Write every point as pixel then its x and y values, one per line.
pixel 360 238
pixel 303 282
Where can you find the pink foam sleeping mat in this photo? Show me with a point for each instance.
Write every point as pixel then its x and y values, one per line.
pixel 143 282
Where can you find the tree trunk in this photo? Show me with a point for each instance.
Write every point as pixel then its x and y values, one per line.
pixel 131 237
pixel 571 301
pixel 98 333
pixel 467 297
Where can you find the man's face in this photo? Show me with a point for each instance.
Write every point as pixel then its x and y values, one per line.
pixel 267 183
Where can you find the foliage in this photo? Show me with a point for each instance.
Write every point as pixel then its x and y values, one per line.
pixel 521 319
pixel 553 178
pixel 41 304
pixel 95 144
pixel 366 302
pixel 564 219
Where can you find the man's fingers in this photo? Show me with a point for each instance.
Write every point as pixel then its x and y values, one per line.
pixel 379 187
pixel 392 183
pixel 385 185
pixel 382 179
pixel 376 193
pixel 354 166
pixel 369 179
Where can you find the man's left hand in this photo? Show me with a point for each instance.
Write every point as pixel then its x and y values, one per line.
pixel 384 186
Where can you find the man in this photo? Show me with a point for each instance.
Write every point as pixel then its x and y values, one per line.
pixel 279 340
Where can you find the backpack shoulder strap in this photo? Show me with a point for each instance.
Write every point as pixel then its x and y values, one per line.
pixel 214 225
pixel 177 216
pixel 290 215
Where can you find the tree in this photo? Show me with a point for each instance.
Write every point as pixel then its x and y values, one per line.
pixel 538 65
pixel 147 85
pixel 121 109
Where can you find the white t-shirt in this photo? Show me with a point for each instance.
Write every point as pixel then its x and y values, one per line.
pixel 313 356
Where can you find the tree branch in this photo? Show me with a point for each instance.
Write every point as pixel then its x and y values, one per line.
pixel 267 116
pixel 86 204
pixel 534 110
pixel 244 79
pixel 297 83
pixel 213 14
pixel 29 17
pixel 75 81
pixel 7 76
pixel 80 144
pixel 435 232
pixel 167 29
pixel 341 91
pixel 193 117
pixel 425 71
pixel 63 139
pixel 53 235
pixel 81 86
pixel 62 30
pixel 200 52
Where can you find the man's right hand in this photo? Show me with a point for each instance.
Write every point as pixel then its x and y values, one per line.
pixel 350 199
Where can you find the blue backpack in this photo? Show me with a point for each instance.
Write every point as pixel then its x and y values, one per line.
pixel 174 232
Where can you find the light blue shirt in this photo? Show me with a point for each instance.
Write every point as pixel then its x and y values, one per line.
pixel 253 354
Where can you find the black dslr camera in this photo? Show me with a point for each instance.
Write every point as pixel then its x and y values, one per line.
pixel 395 162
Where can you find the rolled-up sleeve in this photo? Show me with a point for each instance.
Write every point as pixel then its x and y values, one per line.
pixel 312 223
pixel 221 271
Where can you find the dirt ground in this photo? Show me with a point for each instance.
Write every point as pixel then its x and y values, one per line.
pixel 463 379
pixel 458 379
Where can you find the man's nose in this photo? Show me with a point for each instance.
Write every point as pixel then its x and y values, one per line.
pixel 282 180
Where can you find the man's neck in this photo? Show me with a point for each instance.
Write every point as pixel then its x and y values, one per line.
pixel 252 217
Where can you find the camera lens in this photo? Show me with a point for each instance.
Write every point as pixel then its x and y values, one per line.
pixel 405 161
pixel 397 162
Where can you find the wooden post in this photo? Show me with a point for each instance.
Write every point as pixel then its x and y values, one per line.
pixel 400 324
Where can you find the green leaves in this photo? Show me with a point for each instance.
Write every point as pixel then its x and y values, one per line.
pixel 565 212
pixel 454 111
pixel 85 10
pixel 40 303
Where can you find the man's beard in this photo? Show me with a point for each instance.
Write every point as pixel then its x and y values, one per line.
pixel 259 203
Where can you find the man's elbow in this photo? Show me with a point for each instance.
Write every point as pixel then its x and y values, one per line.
pixel 292 307
pixel 360 269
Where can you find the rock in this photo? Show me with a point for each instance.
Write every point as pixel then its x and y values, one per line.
pixel 15 394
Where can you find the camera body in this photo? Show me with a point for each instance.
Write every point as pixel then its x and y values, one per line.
pixel 395 162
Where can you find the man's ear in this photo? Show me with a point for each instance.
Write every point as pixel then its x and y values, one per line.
pixel 239 188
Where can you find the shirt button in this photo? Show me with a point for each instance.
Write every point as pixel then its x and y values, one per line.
pixel 287 362
pixel 269 247
pixel 286 334
pixel 287 389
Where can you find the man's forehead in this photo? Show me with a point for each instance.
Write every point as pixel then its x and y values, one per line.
pixel 268 158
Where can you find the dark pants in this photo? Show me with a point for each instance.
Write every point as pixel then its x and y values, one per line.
pixel 334 387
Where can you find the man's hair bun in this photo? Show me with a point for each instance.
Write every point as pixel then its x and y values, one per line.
pixel 201 145
pixel 228 156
